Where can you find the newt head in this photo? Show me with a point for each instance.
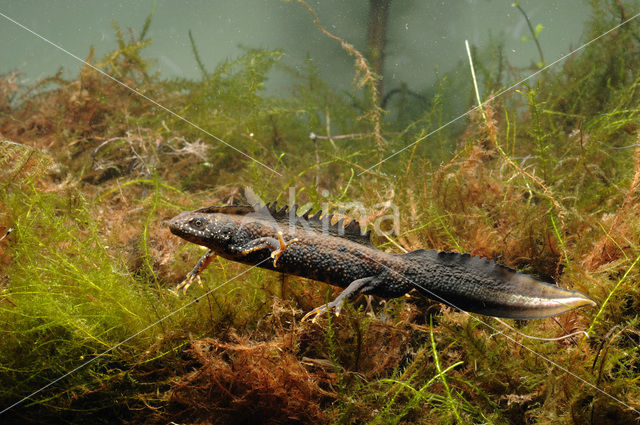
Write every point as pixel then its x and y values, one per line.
pixel 215 231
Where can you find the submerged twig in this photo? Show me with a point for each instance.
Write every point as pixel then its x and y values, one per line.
pixel 196 55
pixel 340 137
pixel 9 230
pixel 475 82
pixel 540 338
pixel 533 32
pixel 368 77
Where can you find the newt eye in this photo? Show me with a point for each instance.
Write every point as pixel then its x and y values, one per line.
pixel 197 223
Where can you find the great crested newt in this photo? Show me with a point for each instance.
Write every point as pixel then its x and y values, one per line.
pixel 342 255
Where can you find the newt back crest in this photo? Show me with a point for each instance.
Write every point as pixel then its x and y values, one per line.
pixel 286 216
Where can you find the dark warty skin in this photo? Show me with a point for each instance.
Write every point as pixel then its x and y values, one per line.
pixel 341 255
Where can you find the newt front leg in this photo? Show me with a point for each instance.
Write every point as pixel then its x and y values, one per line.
pixel 194 275
pixel 277 246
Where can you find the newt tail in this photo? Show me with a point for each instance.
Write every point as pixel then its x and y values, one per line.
pixel 342 255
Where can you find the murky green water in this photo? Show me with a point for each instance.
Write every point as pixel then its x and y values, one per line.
pixel 424 37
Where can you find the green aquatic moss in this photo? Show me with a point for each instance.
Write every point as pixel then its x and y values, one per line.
pixel 69 297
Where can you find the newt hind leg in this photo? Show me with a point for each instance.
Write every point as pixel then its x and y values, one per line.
pixel 358 286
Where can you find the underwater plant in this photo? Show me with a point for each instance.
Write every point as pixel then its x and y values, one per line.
pixel 543 179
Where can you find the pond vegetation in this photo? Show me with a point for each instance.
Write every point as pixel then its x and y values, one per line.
pixel 544 178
